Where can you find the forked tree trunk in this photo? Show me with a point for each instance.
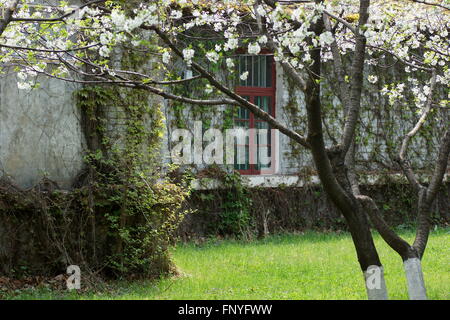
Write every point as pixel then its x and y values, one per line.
pixel 332 173
pixel 353 213
pixel 414 278
pixel 410 255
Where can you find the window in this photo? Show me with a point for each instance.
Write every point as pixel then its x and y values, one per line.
pixel 258 88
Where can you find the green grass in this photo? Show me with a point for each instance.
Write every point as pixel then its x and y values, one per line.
pixel 303 266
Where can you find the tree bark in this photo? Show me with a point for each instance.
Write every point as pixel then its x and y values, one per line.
pixel 375 283
pixel 414 278
pixel 331 168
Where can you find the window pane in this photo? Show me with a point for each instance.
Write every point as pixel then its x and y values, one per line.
pixel 268 72
pixel 259 70
pixel 243 113
pixel 264 103
pixel 242 124
pixel 263 141
pixel 264 148
pixel 241 154
pixel 263 68
pixel 242 69
pixel 250 71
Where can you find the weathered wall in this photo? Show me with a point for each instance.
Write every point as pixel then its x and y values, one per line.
pixel 379 134
pixel 214 116
pixel 40 132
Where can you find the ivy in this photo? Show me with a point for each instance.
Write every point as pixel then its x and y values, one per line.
pixel 236 205
pixel 141 205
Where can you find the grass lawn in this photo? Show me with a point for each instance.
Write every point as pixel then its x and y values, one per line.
pixel 301 266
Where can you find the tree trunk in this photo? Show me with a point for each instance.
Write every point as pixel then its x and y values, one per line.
pixel 414 278
pixel 334 180
pixel 375 283
pixel 330 163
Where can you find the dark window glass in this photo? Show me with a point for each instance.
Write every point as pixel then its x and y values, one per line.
pixel 259 70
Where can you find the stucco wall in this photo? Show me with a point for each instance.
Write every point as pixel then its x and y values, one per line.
pixel 40 132
pixel 41 135
pixel 286 164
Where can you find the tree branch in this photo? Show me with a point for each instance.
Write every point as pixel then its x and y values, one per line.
pixel 60 18
pixel 237 98
pixel 440 168
pixel 356 74
pixel 339 68
pixel 345 23
pixel 392 239
pixel 48 50
pixel 139 85
pixel 402 153
pixel 427 196
pixel 434 4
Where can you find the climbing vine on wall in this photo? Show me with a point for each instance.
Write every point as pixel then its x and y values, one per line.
pixel 143 205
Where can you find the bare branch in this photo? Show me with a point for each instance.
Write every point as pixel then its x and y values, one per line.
pixel 427 196
pixel 402 153
pixel 423 223
pixel 345 23
pixel 151 81
pixel 434 4
pixel 230 93
pixel 350 164
pixel 140 85
pixel 441 167
pixel 356 74
pixel 339 68
pixel 400 59
pixel 48 50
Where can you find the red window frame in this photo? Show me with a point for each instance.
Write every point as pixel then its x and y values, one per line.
pixel 253 92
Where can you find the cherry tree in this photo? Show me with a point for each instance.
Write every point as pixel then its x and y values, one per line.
pixel 79 42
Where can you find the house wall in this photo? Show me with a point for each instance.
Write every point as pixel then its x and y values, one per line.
pixel 40 133
pixel 286 164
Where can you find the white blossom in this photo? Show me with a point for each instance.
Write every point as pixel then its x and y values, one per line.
pixel 22 75
pixel 326 38
pixel 231 44
pixel 372 78
pixel 118 19
pixel 176 14
pixel 208 89
pixel 104 51
pixel 254 48
pixel 23 85
pixel 212 56
pixel 230 63
pixel 260 10
pixel 166 57
pixel 188 54
pixel 244 76
pixel 262 39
